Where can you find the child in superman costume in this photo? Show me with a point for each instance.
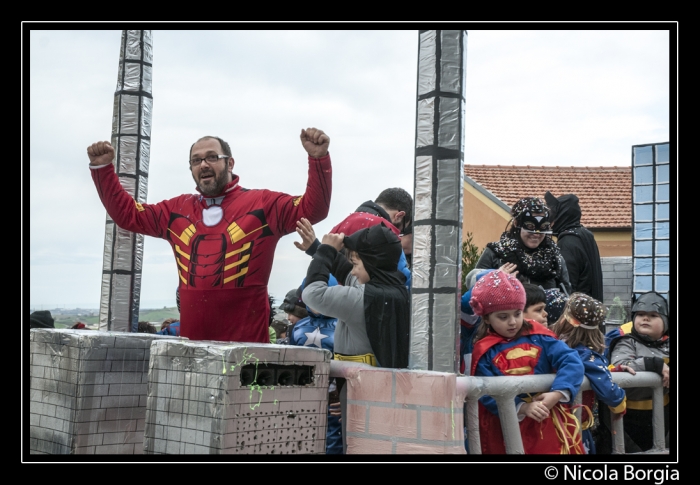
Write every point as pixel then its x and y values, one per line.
pixel 508 345
pixel 223 238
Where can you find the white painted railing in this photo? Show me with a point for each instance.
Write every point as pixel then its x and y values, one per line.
pixel 504 390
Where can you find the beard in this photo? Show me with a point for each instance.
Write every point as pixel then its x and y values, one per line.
pixel 215 186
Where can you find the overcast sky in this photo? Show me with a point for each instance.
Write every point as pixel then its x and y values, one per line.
pixel 554 97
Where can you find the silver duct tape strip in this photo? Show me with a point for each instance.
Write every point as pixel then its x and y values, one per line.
pixel 420 307
pixel 421 263
pixel 426 62
pixel 425 119
pixel 115 115
pixel 142 189
pixel 135 295
pixel 105 291
pixel 127 159
pixel 120 303
pixel 445 342
pixel 147 78
pixel 132 76
pixel 145 157
pixel 122 253
pixel 146 113
pixel 450 66
pixel 133 44
pixel 129 184
pixel 449 189
pixel 109 237
pixel 448 129
pixel 462 110
pixel 447 259
pixel 129 114
pixel 464 63
pixel 423 191
pixel 138 253
pixel 147 46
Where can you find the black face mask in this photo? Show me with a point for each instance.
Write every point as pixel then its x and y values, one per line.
pixel 535 224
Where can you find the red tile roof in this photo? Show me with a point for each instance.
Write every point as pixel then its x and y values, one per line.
pixel 605 193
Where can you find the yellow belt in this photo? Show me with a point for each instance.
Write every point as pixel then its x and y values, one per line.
pixel 364 358
pixel 644 405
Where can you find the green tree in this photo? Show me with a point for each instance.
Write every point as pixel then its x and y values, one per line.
pixel 617 312
pixel 470 255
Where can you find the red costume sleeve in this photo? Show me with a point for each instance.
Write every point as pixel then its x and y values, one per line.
pixel 313 205
pixel 149 219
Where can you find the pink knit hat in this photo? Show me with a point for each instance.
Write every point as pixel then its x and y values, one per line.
pixel 497 291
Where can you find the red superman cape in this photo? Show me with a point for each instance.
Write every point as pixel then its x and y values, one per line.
pixel 538 438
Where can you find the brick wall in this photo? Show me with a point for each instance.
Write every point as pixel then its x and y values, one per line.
pixel 391 411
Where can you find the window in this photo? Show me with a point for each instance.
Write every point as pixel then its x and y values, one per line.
pixel 651 213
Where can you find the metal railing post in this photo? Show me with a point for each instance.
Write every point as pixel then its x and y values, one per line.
pixel 504 390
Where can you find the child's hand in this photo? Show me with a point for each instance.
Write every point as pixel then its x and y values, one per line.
pixel 549 399
pixel 335 240
pixel 665 374
pixel 306 231
pixel 536 410
pixel 626 368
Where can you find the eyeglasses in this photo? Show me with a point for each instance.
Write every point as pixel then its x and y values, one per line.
pixel 195 162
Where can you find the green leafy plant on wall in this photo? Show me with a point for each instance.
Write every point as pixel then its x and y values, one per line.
pixel 470 255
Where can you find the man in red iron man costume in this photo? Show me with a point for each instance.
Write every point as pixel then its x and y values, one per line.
pixel 223 238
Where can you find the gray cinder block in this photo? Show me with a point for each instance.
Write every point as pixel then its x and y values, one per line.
pixel 201 399
pixel 88 390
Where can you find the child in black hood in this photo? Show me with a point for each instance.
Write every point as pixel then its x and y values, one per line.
pixel 372 306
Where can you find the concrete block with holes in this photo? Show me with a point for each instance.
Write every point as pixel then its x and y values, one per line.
pixel 209 397
pixel 88 391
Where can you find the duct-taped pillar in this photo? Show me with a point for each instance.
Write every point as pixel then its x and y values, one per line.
pixel 437 233
pixel 131 139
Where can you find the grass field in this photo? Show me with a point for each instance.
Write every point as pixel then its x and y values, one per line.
pixel 148 315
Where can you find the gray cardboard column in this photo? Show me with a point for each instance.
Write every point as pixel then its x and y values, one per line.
pixel 437 234
pixel 131 138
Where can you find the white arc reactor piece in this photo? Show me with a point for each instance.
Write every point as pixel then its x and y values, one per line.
pixel 212 215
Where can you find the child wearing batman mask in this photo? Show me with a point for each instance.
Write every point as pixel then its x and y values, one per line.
pixel 526 248
pixel 643 345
